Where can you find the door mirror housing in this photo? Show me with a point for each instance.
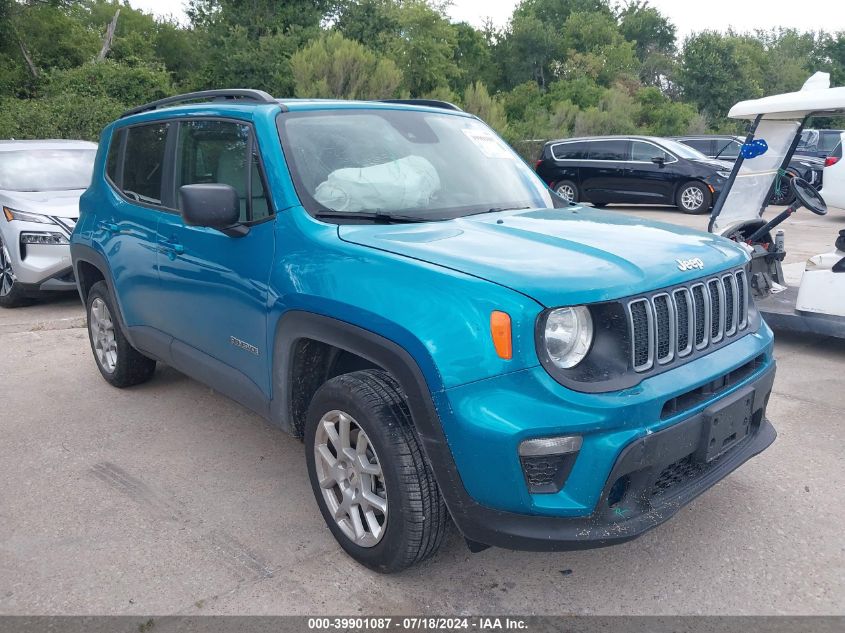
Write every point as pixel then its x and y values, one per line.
pixel 658 160
pixel 212 205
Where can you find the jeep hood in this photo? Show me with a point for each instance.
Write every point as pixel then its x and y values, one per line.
pixel 557 256
pixel 62 204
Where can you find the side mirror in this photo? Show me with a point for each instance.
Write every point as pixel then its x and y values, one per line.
pixel 214 205
pixel 659 161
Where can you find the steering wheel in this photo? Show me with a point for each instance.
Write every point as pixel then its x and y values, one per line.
pixel 808 195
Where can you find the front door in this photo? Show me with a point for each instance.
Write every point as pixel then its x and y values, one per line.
pixel 651 182
pixel 214 287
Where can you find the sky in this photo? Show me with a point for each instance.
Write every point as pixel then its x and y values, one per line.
pixel 688 15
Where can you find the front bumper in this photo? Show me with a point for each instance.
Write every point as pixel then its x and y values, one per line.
pixel 661 476
pixel 39 267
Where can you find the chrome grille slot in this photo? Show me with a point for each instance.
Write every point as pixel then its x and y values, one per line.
pixel 731 305
pixel 684 320
pixel 717 310
pixel 742 299
pixel 642 334
pixel 672 325
pixel 664 324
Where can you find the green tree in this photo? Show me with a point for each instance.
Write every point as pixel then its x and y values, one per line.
pixel 647 28
pixel 335 67
pixel 478 101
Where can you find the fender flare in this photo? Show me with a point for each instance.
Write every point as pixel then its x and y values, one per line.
pixel 84 253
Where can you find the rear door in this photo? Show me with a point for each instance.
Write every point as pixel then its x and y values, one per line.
pixel 214 288
pixel 647 181
pixel 126 231
pixel 603 173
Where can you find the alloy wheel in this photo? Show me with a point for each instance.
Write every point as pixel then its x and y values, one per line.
pixel 566 192
pixel 351 478
pixel 692 198
pixel 101 326
pixel 7 275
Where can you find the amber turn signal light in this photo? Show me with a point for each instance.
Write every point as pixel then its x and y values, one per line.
pixel 500 328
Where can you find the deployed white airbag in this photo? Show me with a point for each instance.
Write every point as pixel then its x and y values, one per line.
pixel 406 183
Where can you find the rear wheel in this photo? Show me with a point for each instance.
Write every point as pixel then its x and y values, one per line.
pixel 119 363
pixel 12 294
pixel 694 198
pixel 371 481
pixel 567 190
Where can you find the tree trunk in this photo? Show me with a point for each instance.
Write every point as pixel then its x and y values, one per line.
pixel 107 40
pixel 32 67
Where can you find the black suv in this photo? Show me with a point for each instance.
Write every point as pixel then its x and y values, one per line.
pixel 818 143
pixel 632 169
pixel 726 147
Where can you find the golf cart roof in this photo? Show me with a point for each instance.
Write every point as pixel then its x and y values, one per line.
pixel 816 96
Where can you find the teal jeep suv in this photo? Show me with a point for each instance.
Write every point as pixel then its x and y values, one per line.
pixel 391 283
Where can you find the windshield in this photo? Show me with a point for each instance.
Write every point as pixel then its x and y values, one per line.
pixel 46 169
pixel 684 151
pixel 422 164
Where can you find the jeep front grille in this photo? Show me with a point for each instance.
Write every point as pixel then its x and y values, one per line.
pixel 670 325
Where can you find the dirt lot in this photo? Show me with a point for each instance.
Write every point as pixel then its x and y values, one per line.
pixel 169 498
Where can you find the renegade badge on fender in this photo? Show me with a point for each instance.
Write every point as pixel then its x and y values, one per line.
pixel 390 283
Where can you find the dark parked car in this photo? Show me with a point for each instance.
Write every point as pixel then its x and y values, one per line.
pixel 818 143
pixel 726 147
pixel 632 169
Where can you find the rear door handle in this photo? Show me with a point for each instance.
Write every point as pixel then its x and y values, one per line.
pixel 109 227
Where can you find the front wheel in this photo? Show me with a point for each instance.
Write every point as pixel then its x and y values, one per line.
pixel 371 481
pixel 11 293
pixel 694 198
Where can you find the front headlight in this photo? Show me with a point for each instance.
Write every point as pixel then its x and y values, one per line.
pixel 723 174
pixel 568 335
pixel 22 216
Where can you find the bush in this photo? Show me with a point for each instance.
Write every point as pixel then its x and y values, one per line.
pixel 124 83
pixel 60 116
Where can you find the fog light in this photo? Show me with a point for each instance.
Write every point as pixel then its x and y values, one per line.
pixel 547 462
pixel 51 239
pixel 550 446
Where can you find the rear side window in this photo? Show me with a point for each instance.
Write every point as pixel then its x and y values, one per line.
pixel 703 145
pixel 828 141
pixel 608 150
pixel 727 149
pixel 113 158
pixel 143 163
pixel 570 151
pixel 223 152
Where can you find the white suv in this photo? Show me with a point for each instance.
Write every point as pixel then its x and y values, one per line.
pixel 40 185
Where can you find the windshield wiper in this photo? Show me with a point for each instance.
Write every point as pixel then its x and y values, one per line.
pixel 373 216
pixel 495 210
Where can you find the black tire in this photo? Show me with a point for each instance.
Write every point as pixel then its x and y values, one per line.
pixel 600 205
pixel 12 295
pixel 416 515
pixel 787 196
pixel 704 200
pixel 131 366
pixel 568 185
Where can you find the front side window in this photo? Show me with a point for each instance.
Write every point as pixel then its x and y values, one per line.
pixel 608 150
pixel 425 164
pixel 643 152
pixel 223 152
pixel 143 163
pixel 46 169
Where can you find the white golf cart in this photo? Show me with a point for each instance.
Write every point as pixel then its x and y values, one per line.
pixel 818 304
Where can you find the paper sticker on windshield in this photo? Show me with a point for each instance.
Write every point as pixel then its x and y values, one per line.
pixel 489 145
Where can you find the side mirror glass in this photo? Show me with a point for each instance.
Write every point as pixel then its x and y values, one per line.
pixel 213 205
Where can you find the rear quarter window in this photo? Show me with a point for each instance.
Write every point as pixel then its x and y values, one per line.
pixel 570 151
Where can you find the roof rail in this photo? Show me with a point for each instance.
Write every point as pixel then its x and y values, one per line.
pixel 431 103
pixel 258 96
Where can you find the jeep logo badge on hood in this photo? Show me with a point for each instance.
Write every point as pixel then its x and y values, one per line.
pixel 690 264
